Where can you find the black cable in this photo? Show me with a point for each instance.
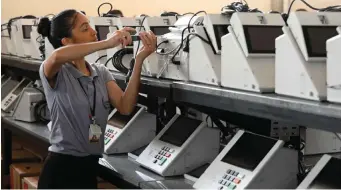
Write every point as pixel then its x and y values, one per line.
pixel 40 90
pixel 188 39
pixel 132 62
pixel 181 44
pixel 41 42
pixel 99 8
pixel 238 7
pixel 245 2
pixel 51 14
pixel 138 45
pixel 308 5
pixel 163 42
pixel 118 58
pixel 197 35
pixel 40 108
pixel 4 25
pixel 189 13
pixel 329 8
pixel 100 58
pixel 106 63
pixel 9 24
pixel 290 6
pixel 220 125
pixel 189 23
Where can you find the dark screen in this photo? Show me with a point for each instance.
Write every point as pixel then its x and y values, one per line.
pixel 262 39
pixel 329 177
pixel 249 151
pixel 21 87
pixel 197 172
pixel 26 30
pixel 180 130
pixel 4 78
pixel 220 31
pixel 316 38
pixel 120 121
pixel 160 30
pixel 102 32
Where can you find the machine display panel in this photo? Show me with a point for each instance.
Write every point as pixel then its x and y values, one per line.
pixel 220 31
pixel 4 78
pixel 21 86
pixel 180 130
pixel 249 151
pixel 329 177
pixel 120 121
pixel 199 171
pixel 26 30
pixel 262 39
pixel 102 32
pixel 160 30
pixel 316 38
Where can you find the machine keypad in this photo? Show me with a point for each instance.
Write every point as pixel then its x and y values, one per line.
pixel 231 179
pixel 163 154
pixel 108 136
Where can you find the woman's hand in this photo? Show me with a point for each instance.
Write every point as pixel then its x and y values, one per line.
pixel 149 45
pixel 120 37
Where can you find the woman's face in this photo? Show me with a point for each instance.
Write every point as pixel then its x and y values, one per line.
pixel 82 32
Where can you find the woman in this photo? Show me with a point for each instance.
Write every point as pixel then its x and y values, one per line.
pixel 79 97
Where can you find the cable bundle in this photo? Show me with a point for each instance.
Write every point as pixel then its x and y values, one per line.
pixel 41 42
pixel 117 58
pixel 237 7
pixel 41 111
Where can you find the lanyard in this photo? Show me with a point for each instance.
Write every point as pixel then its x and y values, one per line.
pixel 93 108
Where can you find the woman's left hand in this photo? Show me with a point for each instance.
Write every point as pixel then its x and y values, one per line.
pixel 149 41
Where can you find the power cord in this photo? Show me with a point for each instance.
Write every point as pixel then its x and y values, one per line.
pixel 336 8
pixel 41 42
pixel 2 27
pixel 186 48
pixel 106 63
pixel 41 109
pixel 118 58
pixel 237 7
pixel 99 8
pixel 132 62
pixel 189 23
pixel 180 46
pixel 103 56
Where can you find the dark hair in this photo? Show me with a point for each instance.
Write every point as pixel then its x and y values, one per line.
pixel 116 12
pixel 58 28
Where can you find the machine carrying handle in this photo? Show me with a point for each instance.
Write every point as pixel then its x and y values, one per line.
pixel 163 69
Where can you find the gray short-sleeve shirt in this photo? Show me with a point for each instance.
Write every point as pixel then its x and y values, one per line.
pixel 69 108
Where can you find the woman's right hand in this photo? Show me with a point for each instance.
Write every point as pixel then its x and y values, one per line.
pixel 121 37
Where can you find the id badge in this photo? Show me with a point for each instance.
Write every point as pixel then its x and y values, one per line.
pixel 95 133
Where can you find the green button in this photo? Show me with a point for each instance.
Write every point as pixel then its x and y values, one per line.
pixel 108 140
pixel 162 161
pixel 232 186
